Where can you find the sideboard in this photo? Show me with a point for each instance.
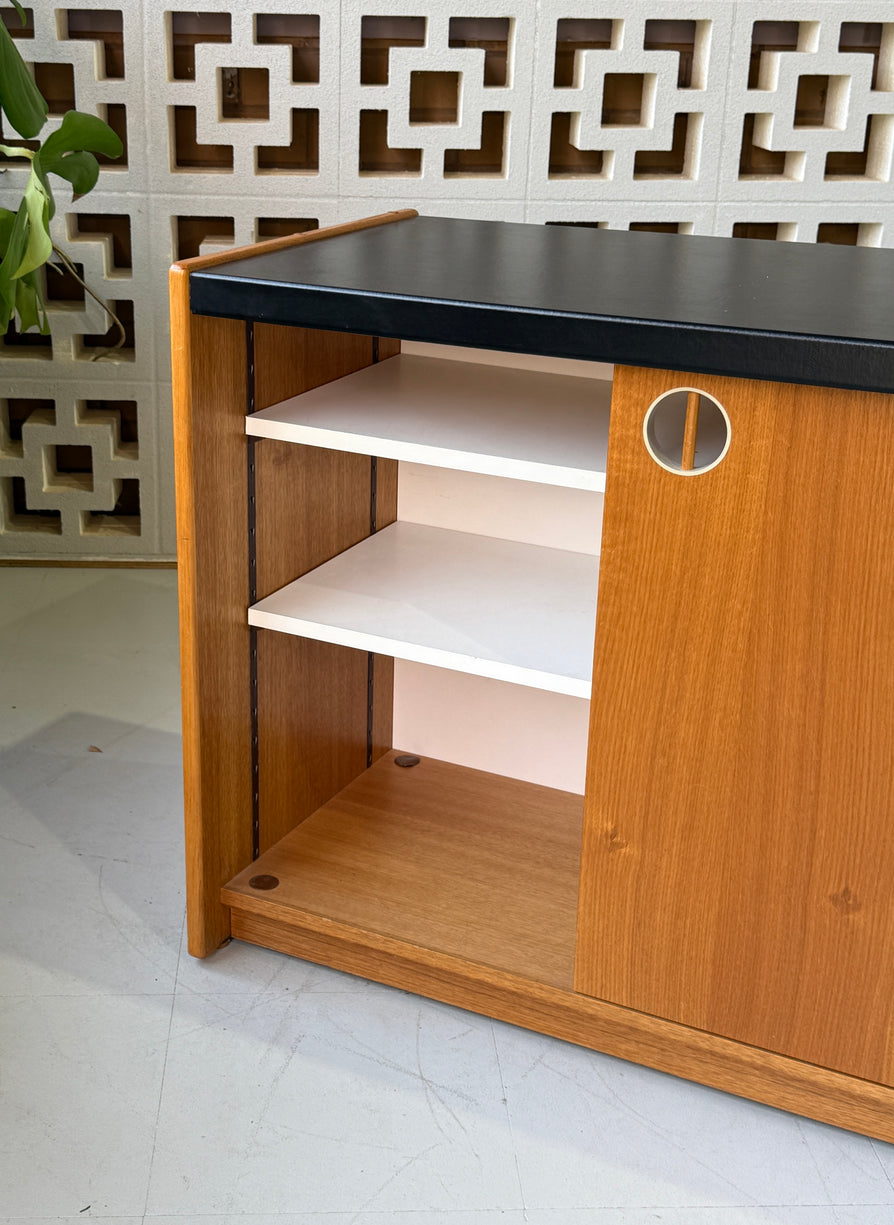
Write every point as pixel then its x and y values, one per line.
pixel 719 903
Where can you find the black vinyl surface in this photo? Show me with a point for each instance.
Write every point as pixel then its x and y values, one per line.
pixel 793 312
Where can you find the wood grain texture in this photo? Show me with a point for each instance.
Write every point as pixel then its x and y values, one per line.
pixel 690 431
pixel 389 346
pixel 216 258
pixel 737 861
pixel 209 373
pixel 210 397
pixel 312 727
pixel 710 1060
pixel 290 360
pixel 439 856
pixel 310 504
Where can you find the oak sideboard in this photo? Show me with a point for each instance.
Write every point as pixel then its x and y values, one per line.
pixel 719 902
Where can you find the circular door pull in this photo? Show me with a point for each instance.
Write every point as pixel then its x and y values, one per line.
pixel 687 431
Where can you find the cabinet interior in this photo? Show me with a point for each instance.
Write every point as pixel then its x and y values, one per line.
pixel 470 605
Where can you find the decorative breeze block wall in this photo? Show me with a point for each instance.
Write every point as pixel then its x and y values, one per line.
pixel 770 120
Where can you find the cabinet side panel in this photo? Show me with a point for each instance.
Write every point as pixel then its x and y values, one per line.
pixel 311 504
pixel 737 862
pixel 291 360
pixel 312 727
pixel 209 370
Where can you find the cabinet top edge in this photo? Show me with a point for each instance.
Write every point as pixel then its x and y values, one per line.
pixel 795 312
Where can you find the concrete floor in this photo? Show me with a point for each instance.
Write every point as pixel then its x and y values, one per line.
pixel 251 1089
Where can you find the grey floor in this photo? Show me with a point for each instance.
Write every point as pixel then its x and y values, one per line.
pixel 251 1089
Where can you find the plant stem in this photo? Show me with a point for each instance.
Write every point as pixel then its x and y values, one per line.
pixel 102 302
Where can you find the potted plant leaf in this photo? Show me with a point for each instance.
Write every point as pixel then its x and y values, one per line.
pixel 25 242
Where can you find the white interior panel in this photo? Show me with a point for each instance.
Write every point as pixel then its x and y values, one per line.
pixel 515 510
pixel 517 361
pixel 488 725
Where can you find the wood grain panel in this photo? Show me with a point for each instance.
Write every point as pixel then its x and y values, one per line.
pixel 311 504
pixel 705 1058
pixel 389 346
pixel 291 360
pixel 690 431
pixel 210 396
pixel 312 727
pixel 441 856
pixel 737 865
pixel 209 370
pixel 216 258
pixel 312 696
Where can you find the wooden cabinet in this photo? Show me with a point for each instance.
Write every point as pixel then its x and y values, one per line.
pixel 718 904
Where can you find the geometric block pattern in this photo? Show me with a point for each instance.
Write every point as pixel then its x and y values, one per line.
pixel 70 469
pixel 273 93
pixel 764 120
pixel 441 103
pixel 816 103
pixel 628 103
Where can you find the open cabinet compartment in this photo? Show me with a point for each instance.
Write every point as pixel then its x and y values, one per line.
pixel 437 855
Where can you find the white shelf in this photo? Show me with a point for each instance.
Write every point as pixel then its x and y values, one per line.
pixel 523 424
pixel 513 612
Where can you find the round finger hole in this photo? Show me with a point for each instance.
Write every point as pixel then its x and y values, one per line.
pixel 686 431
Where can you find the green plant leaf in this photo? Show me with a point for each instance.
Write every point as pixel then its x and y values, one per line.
pixel 38 244
pixel 37 169
pixel 7 303
pixel 80 168
pixel 25 242
pixel 16 243
pixel 25 106
pixel 30 305
pixel 76 133
pixel 7 221
pixel 21 12
pixel 20 292
pixel 12 253
pixel 26 306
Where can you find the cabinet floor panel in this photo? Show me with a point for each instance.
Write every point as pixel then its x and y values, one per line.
pixel 438 856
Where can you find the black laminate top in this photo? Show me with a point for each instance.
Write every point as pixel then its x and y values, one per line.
pixel 793 312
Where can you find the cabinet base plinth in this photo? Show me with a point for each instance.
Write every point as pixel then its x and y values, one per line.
pixel 746 1071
